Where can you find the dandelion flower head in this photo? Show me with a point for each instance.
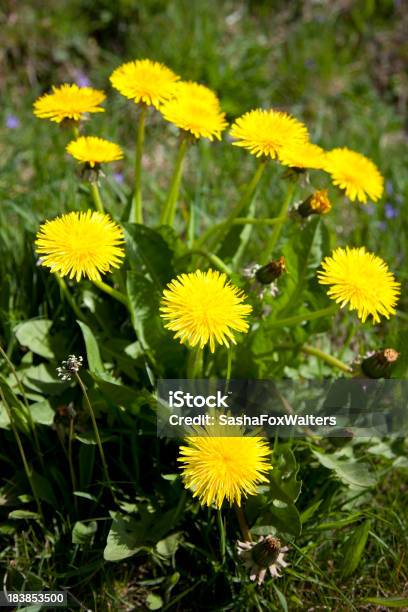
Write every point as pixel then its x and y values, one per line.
pixel 362 280
pixel 80 244
pixel 69 102
pixel 204 308
pixel 268 132
pixel 303 155
pixel 144 81
pixel 219 463
pixel 355 174
pixel 92 150
pixel 195 109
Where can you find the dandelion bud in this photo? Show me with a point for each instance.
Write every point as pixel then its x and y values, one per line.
pixel 316 204
pixel 378 364
pixel 271 271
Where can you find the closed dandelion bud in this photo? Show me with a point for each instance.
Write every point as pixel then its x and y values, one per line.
pixel 379 364
pixel 271 271
pixel 316 204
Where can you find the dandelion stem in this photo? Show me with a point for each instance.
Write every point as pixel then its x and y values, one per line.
pixel 216 261
pixel 258 221
pixel 195 363
pixel 310 350
pixel 27 468
pixel 221 528
pixel 307 316
pixel 329 359
pixel 215 235
pixel 136 213
pixel 274 237
pixel 97 436
pixel 97 197
pixel 117 295
pixel 169 209
pixel 26 404
pixel 243 525
pixel 70 299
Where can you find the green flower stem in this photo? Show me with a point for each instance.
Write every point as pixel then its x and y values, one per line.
pixel 97 197
pixel 117 295
pixel 274 237
pixel 258 221
pixel 329 359
pixel 65 291
pixel 70 459
pixel 26 404
pixel 195 363
pixel 311 350
pixel 136 212
pixel 75 130
pixel 169 209
pixel 215 235
pixel 97 436
pixel 307 316
pixel 27 468
pixel 221 528
pixel 243 525
pixel 216 261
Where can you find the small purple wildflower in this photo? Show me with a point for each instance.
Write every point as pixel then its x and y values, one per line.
pixel 118 177
pixel 389 211
pixel 82 80
pixel 12 122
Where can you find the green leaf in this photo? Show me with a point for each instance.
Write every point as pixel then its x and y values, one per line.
pixel 144 300
pixel 42 413
pixel 303 252
pixel 43 378
pixel 83 533
pixel 126 537
pixel 23 514
pixel 169 546
pixel 281 597
pixel 154 602
pixel 92 350
pixel 274 519
pixel 349 472
pixel 148 253
pixel 283 478
pixel 387 602
pixel 34 335
pixel 118 393
pixel 44 489
pixel 354 548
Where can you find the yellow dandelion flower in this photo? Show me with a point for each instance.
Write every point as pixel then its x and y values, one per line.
pixel 204 307
pixel 362 280
pixel 357 175
pixel 195 109
pixel 80 244
pixel 303 155
pixel 268 132
pixel 144 81
pixel 69 102
pixel 217 467
pixel 93 150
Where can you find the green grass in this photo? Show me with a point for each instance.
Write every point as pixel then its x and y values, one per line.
pixel 341 70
